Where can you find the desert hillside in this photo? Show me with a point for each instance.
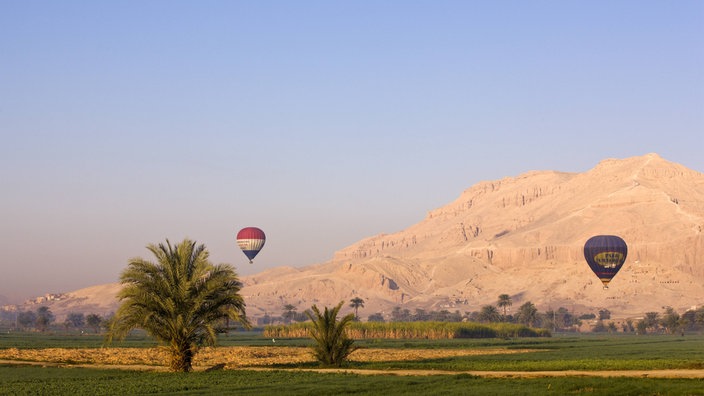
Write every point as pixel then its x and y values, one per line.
pixel 521 236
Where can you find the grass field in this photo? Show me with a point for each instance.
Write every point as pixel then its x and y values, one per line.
pixel 62 381
pixel 394 358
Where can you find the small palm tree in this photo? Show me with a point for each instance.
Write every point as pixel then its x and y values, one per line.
pixel 356 303
pixel 504 301
pixel 289 312
pixel 333 346
pixel 179 300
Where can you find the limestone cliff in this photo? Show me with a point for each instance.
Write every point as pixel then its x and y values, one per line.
pixel 521 236
pixel 524 236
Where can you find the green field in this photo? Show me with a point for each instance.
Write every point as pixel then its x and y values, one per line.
pixel 561 352
pixel 62 381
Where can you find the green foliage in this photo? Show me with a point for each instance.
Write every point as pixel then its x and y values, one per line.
pixel 44 318
pixel 95 321
pixel 415 330
pixel 34 340
pixel 26 319
pixel 504 302
pixel 489 313
pixel 355 304
pixel 332 345
pixel 289 312
pixel 599 327
pixel 574 352
pixel 376 317
pixel 641 327
pixel 75 319
pixel 179 300
pixel 604 314
pixel 24 380
pixel 527 314
pixel 670 320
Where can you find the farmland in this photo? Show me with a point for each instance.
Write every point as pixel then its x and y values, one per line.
pixel 578 364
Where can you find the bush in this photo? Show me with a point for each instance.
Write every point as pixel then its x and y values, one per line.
pixel 332 344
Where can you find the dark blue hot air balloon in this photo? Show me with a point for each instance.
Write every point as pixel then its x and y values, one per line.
pixel 605 255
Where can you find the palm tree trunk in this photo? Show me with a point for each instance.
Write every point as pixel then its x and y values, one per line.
pixel 182 358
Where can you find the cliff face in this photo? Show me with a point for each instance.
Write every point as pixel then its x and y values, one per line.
pixel 524 236
pixel 521 236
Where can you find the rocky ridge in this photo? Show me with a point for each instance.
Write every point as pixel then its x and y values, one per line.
pixel 521 236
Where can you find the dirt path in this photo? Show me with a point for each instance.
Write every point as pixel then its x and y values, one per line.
pixel 487 374
pixel 528 374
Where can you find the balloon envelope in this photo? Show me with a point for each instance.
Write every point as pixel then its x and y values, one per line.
pixel 251 240
pixel 605 255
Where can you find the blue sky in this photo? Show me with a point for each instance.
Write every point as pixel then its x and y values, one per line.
pixel 322 122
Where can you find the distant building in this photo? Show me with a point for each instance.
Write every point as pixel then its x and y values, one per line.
pixel 45 298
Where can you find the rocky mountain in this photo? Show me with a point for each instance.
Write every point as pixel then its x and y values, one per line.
pixel 99 299
pixel 521 236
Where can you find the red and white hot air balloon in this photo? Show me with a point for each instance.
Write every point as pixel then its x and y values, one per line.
pixel 251 240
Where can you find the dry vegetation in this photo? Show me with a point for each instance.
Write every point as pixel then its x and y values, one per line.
pixel 263 358
pixel 232 357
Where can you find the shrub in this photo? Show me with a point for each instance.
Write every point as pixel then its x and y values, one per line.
pixel 332 344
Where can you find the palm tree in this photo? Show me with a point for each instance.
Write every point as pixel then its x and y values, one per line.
pixel 179 300
pixel 333 346
pixel 356 303
pixel 289 313
pixel 504 301
pixel 527 314
pixel 489 313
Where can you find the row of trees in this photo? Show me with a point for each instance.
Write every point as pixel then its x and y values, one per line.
pixel 42 319
pixel 668 322
pixel 290 314
pixel 560 319
pixel 527 314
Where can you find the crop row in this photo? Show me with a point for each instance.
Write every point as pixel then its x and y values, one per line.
pixel 414 330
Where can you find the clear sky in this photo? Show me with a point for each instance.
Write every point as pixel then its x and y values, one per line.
pixel 322 122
